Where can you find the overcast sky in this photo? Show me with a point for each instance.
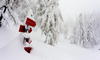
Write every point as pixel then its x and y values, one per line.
pixel 74 7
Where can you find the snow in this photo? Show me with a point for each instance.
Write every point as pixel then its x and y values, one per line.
pixel 15 51
pixel 6 36
pixel 13 48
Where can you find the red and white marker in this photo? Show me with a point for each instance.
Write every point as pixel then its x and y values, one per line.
pixel 26 29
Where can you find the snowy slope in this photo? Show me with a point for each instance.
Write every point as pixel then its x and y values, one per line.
pixel 14 49
pixel 62 51
pixel 76 51
pixel 6 36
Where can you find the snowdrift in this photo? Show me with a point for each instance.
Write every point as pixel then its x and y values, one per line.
pixel 11 47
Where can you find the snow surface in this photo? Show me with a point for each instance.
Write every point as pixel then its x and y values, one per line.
pixel 12 48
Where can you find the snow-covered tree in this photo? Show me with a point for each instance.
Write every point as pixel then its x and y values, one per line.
pixel 14 10
pixel 85 30
pixel 6 12
pixel 24 7
pixel 46 14
pixel 49 19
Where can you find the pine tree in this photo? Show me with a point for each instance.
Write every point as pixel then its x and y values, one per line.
pixel 85 31
pixel 49 19
pixel 6 12
pixel 13 10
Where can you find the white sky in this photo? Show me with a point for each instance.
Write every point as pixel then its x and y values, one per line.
pixel 74 7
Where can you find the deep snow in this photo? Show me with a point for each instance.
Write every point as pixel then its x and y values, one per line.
pixel 12 48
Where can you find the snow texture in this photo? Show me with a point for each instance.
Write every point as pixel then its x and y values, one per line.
pixel 49 21
pixel 14 50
